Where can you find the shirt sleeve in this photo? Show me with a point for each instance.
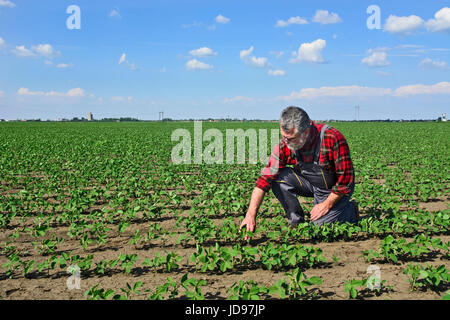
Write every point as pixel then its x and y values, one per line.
pixel 277 161
pixel 343 165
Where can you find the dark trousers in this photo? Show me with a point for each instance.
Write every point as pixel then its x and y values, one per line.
pixel 291 183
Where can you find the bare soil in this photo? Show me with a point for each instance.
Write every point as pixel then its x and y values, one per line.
pixel 350 265
pixel 344 262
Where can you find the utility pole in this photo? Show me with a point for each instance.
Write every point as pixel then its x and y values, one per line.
pixel 356 113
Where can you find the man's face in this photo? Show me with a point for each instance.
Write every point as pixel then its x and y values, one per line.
pixel 293 139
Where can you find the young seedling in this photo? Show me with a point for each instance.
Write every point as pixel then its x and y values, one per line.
pixel 295 285
pixel 247 290
pixel 98 294
pixel 168 290
pixel 195 293
pixel 352 285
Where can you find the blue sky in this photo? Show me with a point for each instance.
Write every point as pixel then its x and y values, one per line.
pixel 242 59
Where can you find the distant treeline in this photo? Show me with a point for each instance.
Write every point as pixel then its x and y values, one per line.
pixel 76 119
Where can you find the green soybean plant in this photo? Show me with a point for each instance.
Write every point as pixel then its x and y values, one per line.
pixel 246 290
pixel 295 285
pixel 170 261
pixel 192 287
pixel 168 290
pixel 421 277
pixel 98 294
pixel 351 287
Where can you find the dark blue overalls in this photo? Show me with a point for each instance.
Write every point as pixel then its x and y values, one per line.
pixel 311 180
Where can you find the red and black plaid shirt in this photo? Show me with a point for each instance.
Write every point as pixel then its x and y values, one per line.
pixel 334 157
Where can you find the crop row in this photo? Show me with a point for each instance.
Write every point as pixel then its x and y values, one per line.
pixel 295 285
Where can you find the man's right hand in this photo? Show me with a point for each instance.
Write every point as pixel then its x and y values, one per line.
pixel 250 222
pixel 250 217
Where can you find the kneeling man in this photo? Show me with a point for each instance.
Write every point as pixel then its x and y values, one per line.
pixel 312 160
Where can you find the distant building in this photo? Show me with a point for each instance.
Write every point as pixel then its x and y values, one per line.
pixel 90 117
pixel 444 117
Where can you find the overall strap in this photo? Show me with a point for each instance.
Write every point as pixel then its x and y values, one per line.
pixel 317 152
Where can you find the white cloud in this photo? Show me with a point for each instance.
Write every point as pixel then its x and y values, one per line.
pixel 115 13
pixel 221 19
pixel 194 64
pixel 441 23
pixel 259 62
pixel 310 52
pixel 197 24
pixel 122 59
pixel 340 91
pixel 7 3
pixel 403 25
pixel 27 92
pixel 42 50
pixel 238 99
pixel 245 53
pixel 2 42
pixel 75 92
pixel 63 65
pixel 163 69
pixel 2 93
pixel 203 52
pixel 409 46
pixel 324 17
pixel 192 25
pixel 355 91
pixel 122 99
pixel 132 66
pixel 428 63
pixel 383 73
pixel 438 88
pixel 46 50
pixel 291 20
pixel 21 51
pixel 276 72
pixel 377 58
pixel 253 61
pixel 277 54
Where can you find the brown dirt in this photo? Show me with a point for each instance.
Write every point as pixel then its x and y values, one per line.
pixel 52 285
pixel 351 265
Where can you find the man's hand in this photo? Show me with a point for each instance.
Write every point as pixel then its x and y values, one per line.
pixel 250 217
pixel 319 210
pixel 250 222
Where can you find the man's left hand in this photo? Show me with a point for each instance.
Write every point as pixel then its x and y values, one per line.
pixel 319 210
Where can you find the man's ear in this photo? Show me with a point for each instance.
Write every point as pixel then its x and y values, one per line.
pixel 307 131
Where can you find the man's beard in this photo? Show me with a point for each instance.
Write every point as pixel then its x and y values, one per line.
pixel 293 147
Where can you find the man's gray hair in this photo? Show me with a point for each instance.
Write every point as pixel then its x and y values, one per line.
pixel 294 117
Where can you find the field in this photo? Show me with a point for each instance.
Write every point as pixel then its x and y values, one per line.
pixel 100 211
